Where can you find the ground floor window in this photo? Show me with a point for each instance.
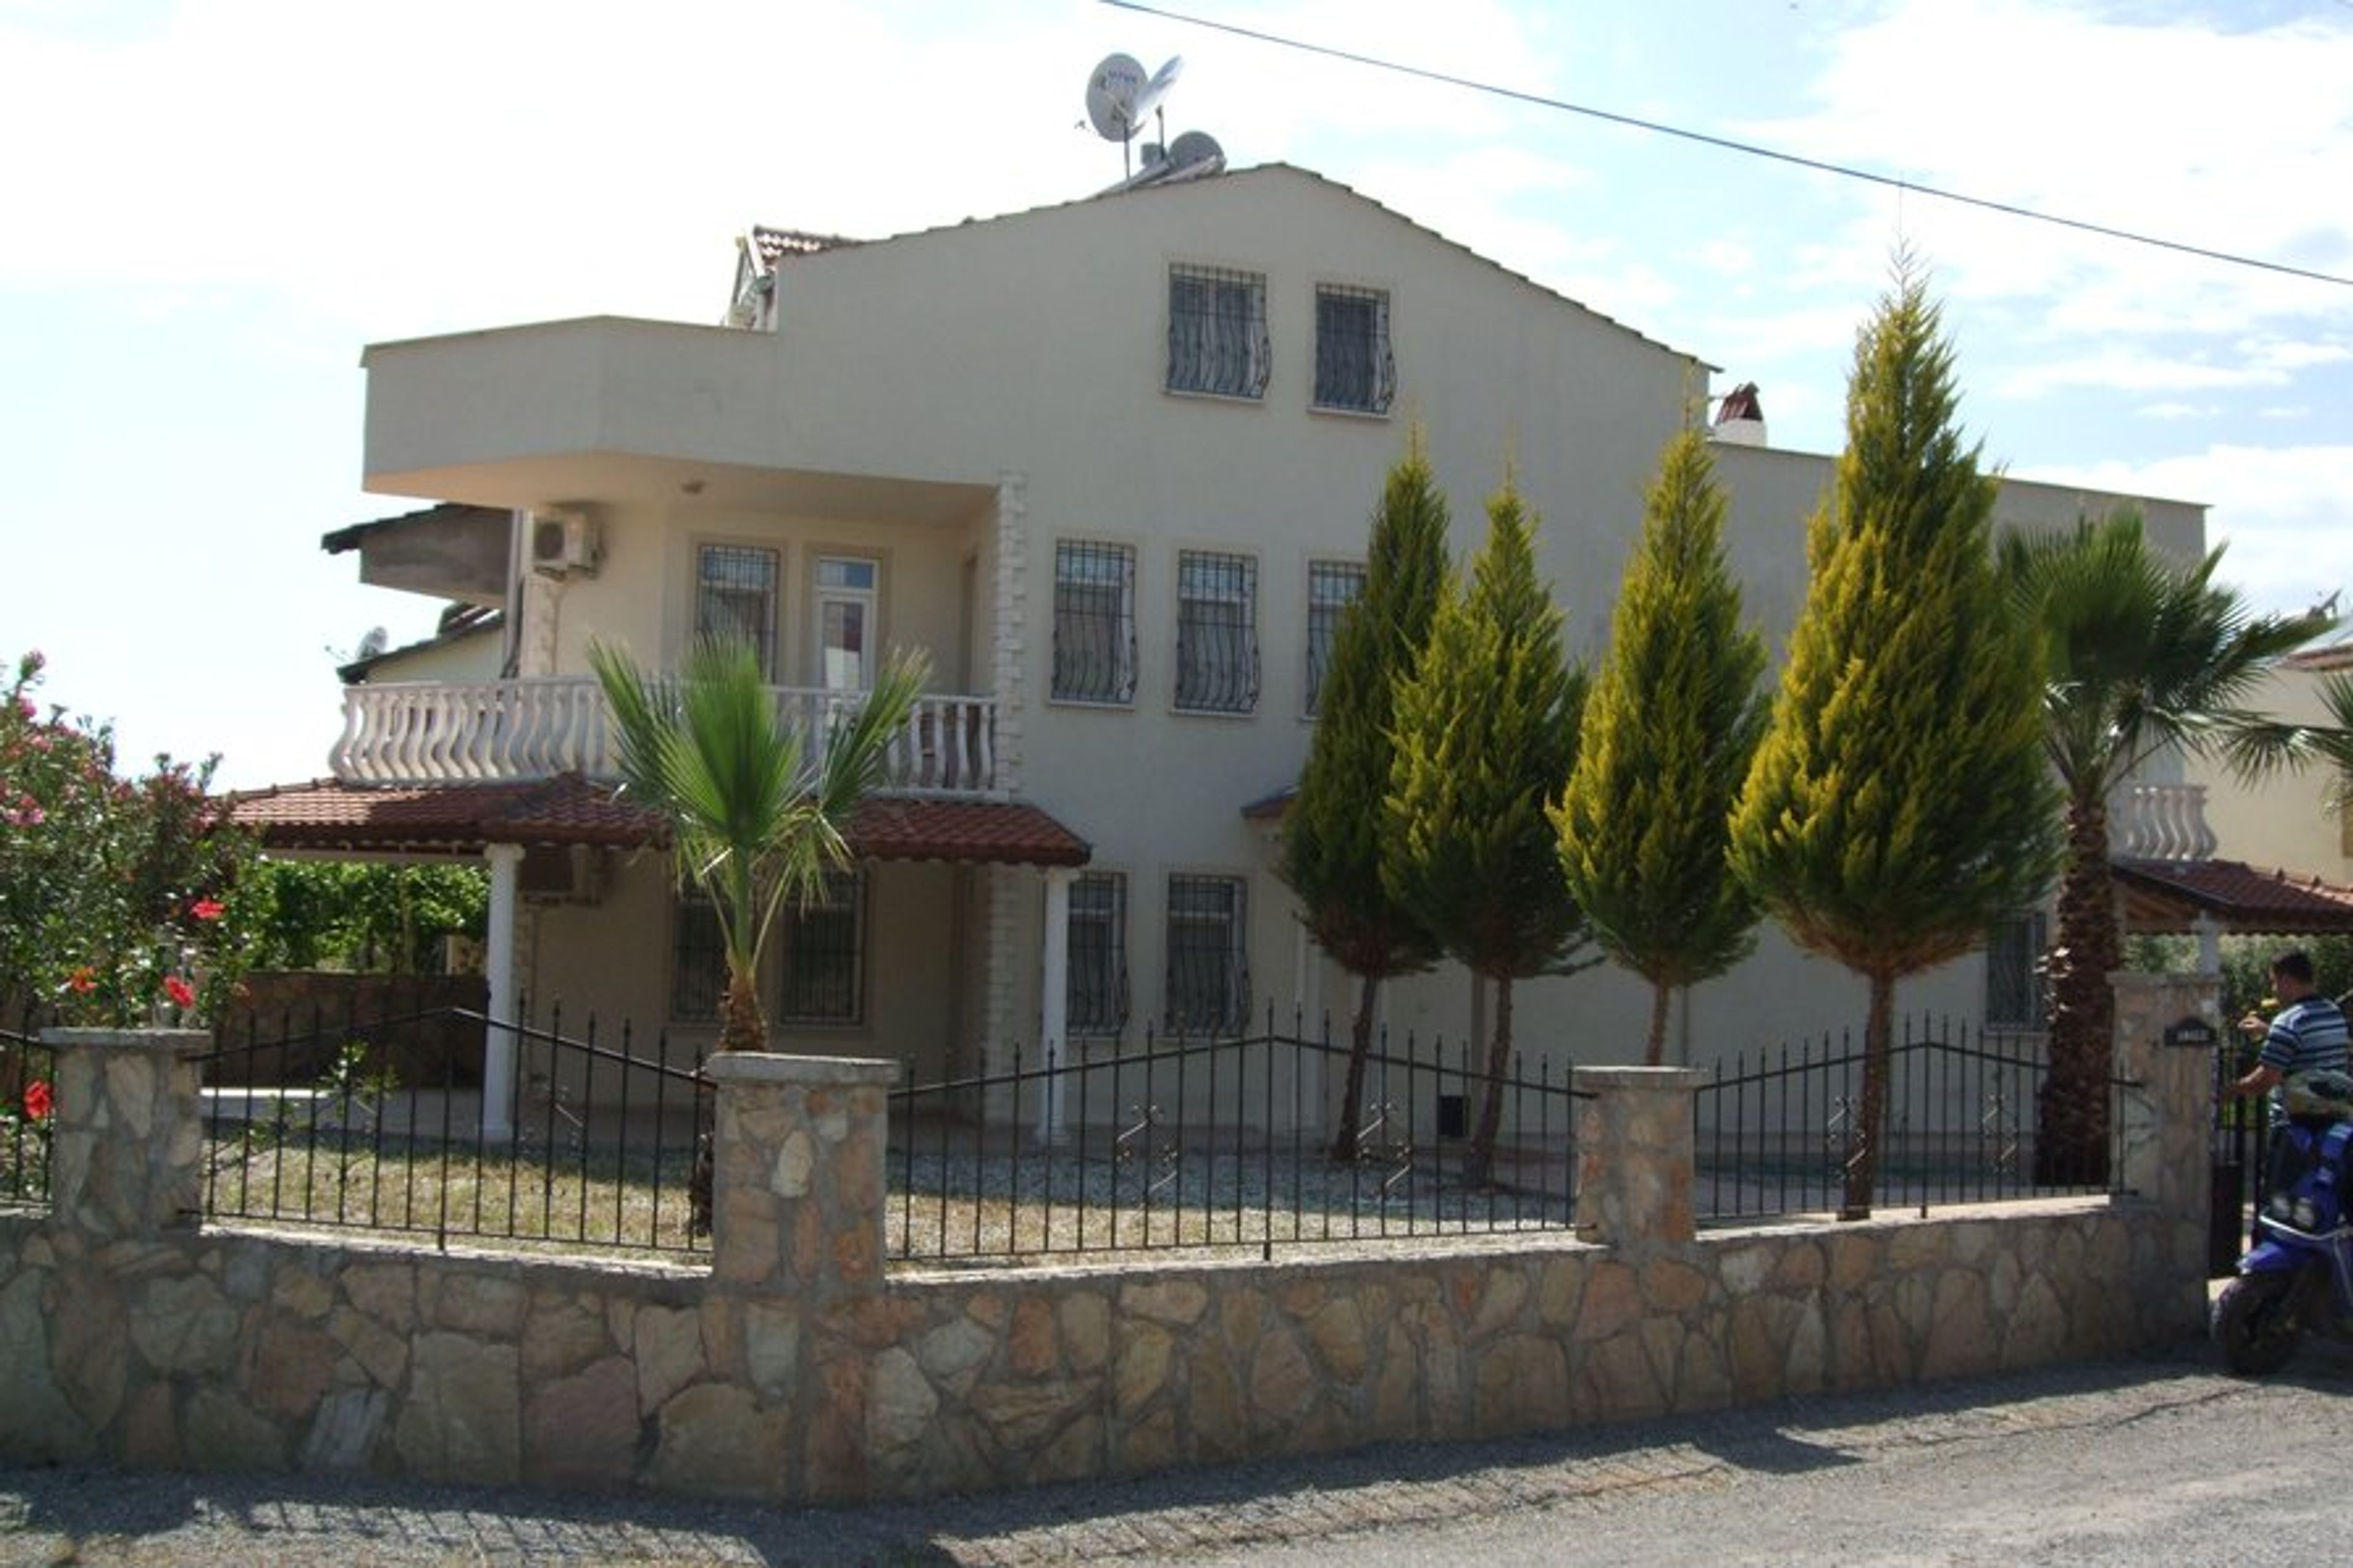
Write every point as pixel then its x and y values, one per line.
pixel 1096 997
pixel 1208 989
pixel 2014 950
pixel 821 950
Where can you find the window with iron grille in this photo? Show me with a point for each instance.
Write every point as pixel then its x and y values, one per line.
pixel 698 966
pixel 1332 587
pixel 1209 974
pixel 1354 367
pixel 822 947
pixel 2014 949
pixel 1216 632
pixel 736 599
pixel 1096 999
pixel 1217 332
pixel 1094 622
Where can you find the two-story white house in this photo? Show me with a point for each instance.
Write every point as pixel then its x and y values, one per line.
pixel 1110 464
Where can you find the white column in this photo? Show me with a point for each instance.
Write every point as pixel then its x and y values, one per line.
pixel 499 1043
pixel 2209 944
pixel 1054 1016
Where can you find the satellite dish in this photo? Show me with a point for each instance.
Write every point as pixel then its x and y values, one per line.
pixel 1195 147
pixel 1149 99
pixel 1112 93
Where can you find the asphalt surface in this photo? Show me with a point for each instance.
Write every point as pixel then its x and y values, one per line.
pixel 2158 1458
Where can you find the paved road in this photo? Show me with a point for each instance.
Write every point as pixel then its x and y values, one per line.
pixel 2156 1459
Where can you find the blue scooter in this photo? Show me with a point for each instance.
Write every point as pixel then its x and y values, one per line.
pixel 2298 1277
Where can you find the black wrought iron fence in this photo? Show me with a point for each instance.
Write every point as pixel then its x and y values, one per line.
pixel 1773 1134
pixel 27 1108
pixel 1217 1144
pixel 451 1124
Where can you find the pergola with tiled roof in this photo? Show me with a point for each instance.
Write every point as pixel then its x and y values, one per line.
pixel 463 818
pixel 2173 896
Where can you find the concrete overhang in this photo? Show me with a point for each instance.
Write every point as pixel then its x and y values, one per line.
pixel 606 409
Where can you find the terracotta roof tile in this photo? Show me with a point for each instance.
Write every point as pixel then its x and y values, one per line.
pixel 2166 895
pixel 327 813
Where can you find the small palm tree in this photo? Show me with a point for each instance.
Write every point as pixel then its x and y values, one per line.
pixel 2142 655
pixel 754 803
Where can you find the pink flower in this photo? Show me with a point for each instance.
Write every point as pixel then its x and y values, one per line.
pixel 37 1101
pixel 208 909
pixel 82 981
pixel 182 994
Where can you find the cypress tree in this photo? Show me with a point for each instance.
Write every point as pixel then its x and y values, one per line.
pixel 1330 855
pixel 1670 727
pixel 1899 802
pixel 1487 735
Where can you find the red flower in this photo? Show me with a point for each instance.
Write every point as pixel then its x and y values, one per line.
pixel 82 981
pixel 38 1103
pixel 208 909
pixel 182 994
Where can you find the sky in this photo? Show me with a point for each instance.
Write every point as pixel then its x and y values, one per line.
pixel 211 207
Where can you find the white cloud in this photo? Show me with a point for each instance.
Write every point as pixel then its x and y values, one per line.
pixel 2285 511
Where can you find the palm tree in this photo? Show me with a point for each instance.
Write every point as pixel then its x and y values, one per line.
pixel 2141 655
pixel 755 804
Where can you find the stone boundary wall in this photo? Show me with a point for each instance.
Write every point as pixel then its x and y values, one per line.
pixel 794 1370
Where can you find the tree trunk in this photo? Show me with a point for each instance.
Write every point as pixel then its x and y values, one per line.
pixel 2073 1147
pixel 1352 1094
pixel 743 1025
pixel 1654 1049
pixel 1869 1126
pixel 1481 1167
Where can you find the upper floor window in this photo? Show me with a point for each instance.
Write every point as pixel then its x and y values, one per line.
pixel 1354 368
pixel 1209 970
pixel 1216 632
pixel 1094 622
pixel 1217 332
pixel 822 945
pixel 1096 998
pixel 736 599
pixel 1332 587
pixel 2014 950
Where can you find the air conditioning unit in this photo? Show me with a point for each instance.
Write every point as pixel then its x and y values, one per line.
pixel 562 874
pixel 564 542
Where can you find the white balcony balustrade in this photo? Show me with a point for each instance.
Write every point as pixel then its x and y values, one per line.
pixel 429 733
pixel 2160 822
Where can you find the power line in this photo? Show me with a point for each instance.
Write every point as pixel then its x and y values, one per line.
pixel 1729 144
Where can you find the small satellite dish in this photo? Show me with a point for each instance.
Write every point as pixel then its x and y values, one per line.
pixel 1195 147
pixel 1112 93
pixel 1149 99
pixel 372 643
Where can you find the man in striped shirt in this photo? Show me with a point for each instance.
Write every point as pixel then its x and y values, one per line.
pixel 2306 1035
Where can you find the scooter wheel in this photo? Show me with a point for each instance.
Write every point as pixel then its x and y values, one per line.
pixel 2254 1323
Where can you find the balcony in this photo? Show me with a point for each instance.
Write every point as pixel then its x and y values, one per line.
pixel 2160 822
pixel 429 733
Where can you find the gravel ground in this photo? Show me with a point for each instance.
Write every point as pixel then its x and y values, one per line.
pixel 92 1515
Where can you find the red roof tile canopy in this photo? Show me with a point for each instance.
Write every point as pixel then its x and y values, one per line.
pixel 2167 895
pixel 569 809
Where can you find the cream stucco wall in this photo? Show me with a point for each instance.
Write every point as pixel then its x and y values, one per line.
pixel 908 380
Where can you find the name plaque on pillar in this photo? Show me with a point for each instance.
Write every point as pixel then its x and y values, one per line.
pixel 2192 1033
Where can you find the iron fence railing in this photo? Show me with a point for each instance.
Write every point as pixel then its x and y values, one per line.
pixel 1214 1143
pixel 1773 1135
pixel 384 1123
pixel 27 1106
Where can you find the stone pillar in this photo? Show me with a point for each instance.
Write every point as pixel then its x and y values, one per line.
pixel 1054 1012
pixel 126 1152
pixel 1634 1154
pixel 2161 1145
pixel 797 1189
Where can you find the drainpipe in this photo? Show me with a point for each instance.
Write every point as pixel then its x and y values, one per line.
pixel 1054 1012
pixel 499 1041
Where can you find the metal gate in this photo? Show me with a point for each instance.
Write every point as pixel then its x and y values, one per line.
pixel 2240 1137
